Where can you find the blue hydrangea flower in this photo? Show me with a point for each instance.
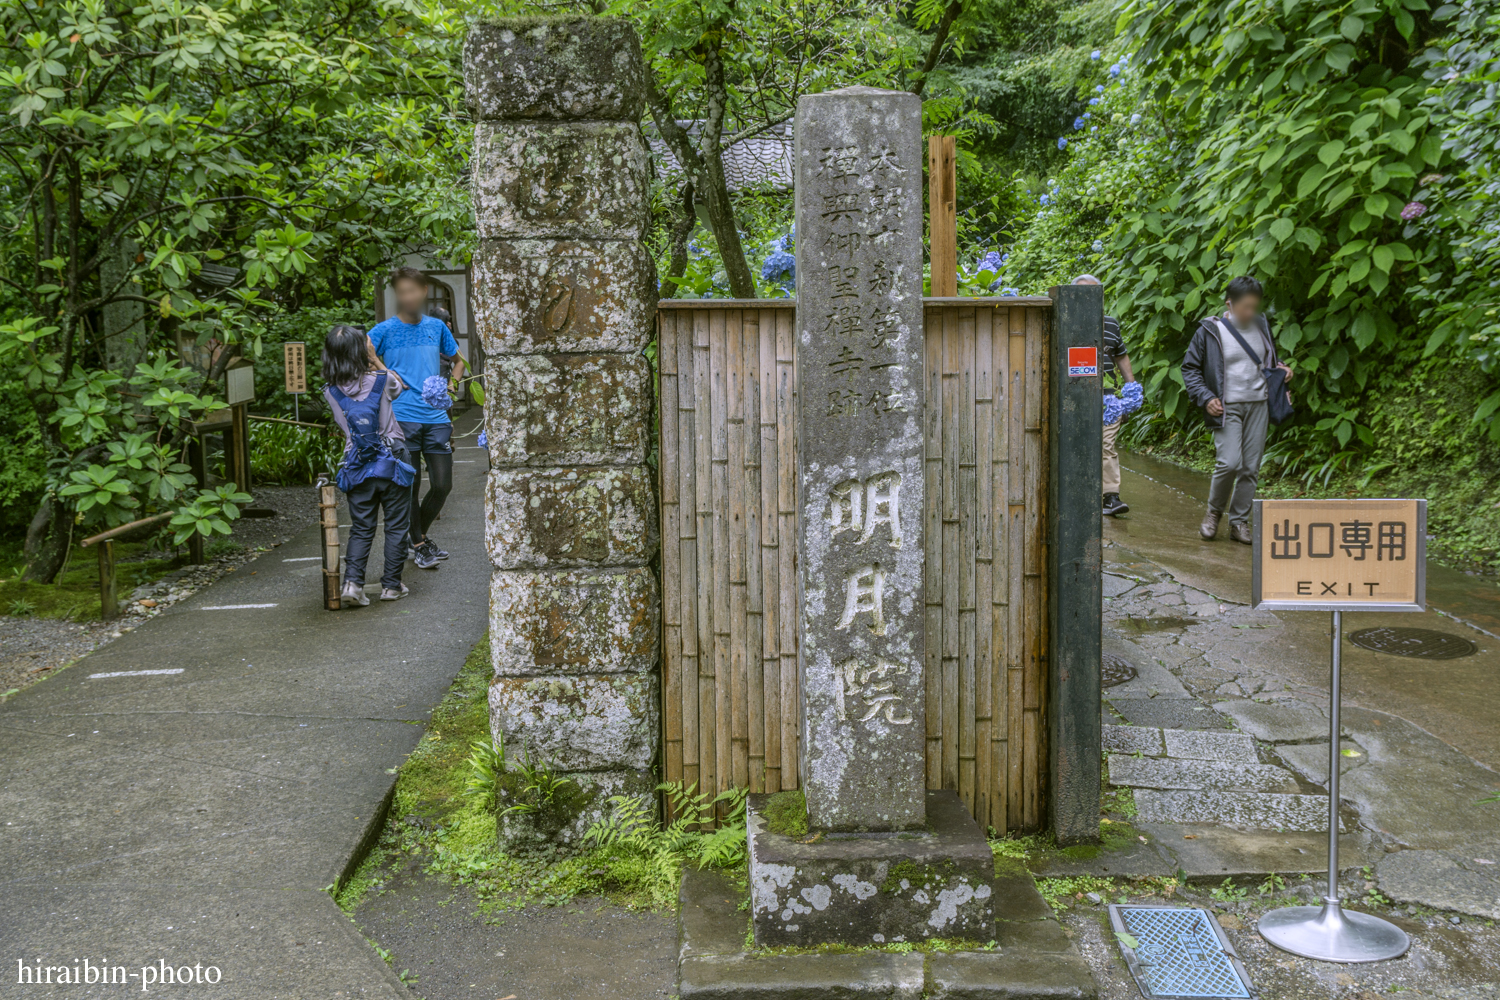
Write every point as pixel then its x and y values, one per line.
pixel 1077 123
pixel 1099 88
pixel 1133 395
pixel 1010 291
pixel 1113 409
pixel 991 261
pixel 1093 128
pixel 1094 100
pixel 1098 246
pixel 1062 143
pixel 1046 199
pixel 484 440
pixel 1114 70
pixel 779 266
pixel 435 393
pixel 1094 54
pixel 1135 118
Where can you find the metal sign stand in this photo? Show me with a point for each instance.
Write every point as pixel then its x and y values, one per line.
pixel 1328 933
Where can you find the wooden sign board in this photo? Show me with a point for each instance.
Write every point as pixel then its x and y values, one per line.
pixel 239 385
pixel 1340 555
pixel 294 358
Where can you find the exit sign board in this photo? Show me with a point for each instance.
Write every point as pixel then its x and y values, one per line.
pixel 1339 555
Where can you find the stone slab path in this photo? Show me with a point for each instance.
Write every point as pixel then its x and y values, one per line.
pixel 192 806
pixel 1223 733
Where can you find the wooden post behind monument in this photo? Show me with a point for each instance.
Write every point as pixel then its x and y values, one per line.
pixel 942 213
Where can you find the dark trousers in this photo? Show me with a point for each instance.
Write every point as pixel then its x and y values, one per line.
pixel 370 497
pixel 434 443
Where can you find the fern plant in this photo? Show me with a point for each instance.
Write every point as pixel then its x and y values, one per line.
pixel 692 836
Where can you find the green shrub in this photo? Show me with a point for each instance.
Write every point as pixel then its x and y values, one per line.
pixel 292 455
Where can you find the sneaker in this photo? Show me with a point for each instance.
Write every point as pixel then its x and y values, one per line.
pixel 433 548
pixel 1239 531
pixel 1114 506
pixel 423 556
pixel 353 595
pixel 388 594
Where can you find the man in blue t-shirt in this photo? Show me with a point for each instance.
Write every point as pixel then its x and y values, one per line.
pixel 412 345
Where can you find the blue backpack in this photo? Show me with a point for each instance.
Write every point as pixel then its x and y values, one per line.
pixel 368 456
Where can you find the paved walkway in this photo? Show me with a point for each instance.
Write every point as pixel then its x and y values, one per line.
pixel 194 816
pixel 1223 735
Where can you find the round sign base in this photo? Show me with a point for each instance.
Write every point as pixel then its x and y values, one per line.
pixel 1328 934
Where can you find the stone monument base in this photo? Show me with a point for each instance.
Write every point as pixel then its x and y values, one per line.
pixel 810 888
pixel 1027 956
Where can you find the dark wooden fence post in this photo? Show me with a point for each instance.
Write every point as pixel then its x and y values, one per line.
pixel 109 605
pixel 198 464
pixel 1074 555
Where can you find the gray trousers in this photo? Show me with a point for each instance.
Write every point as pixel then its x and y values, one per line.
pixel 1238 447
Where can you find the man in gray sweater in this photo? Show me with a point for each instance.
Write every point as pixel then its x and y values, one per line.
pixel 1229 383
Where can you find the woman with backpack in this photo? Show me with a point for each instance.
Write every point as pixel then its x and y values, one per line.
pixel 374 474
pixel 1232 371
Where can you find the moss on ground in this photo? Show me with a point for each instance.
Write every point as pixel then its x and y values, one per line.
pixel 431 782
pixel 74 595
pixel 786 813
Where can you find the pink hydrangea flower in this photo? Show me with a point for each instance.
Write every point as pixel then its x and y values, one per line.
pixel 1413 210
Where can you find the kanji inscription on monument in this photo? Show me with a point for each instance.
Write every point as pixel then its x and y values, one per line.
pixel 859 441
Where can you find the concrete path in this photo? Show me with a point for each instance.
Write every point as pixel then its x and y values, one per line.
pixel 184 795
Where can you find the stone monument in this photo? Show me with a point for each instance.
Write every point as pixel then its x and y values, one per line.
pixel 888 860
pixel 564 298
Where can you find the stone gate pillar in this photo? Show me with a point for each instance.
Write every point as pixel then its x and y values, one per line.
pixel 564 298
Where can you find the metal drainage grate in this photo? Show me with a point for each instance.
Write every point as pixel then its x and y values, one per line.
pixel 1116 670
pixel 1177 952
pixel 1422 643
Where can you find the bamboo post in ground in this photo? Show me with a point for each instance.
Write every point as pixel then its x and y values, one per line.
pixel 109 605
pixel 328 520
pixel 942 213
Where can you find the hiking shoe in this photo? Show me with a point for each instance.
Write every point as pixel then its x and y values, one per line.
pixel 353 595
pixel 1239 531
pixel 422 555
pixel 1210 526
pixel 388 594
pixel 1114 506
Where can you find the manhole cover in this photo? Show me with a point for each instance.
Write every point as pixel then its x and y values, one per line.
pixel 1422 643
pixel 1117 670
pixel 1174 952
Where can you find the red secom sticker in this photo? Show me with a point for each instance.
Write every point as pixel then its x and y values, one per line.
pixel 1083 361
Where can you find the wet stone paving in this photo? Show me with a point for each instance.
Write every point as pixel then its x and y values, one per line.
pixel 1226 760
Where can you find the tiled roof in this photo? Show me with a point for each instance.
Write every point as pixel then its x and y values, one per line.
pixel 761 162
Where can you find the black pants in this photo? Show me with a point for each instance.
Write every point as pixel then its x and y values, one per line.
pixel 434 443
pixel 365 500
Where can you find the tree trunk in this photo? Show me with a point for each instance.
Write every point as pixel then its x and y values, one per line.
pixel 716 187
pixel 683 218
pixel 46 541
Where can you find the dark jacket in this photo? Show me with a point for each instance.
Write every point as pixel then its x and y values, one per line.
pixel 1203 364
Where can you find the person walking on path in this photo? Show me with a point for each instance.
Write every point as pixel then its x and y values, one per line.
pixel 1223 372
pixel 374 474
pixel 412 344
pixel 1116 356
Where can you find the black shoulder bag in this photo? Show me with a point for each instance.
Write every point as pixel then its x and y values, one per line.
pixel 1278 397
